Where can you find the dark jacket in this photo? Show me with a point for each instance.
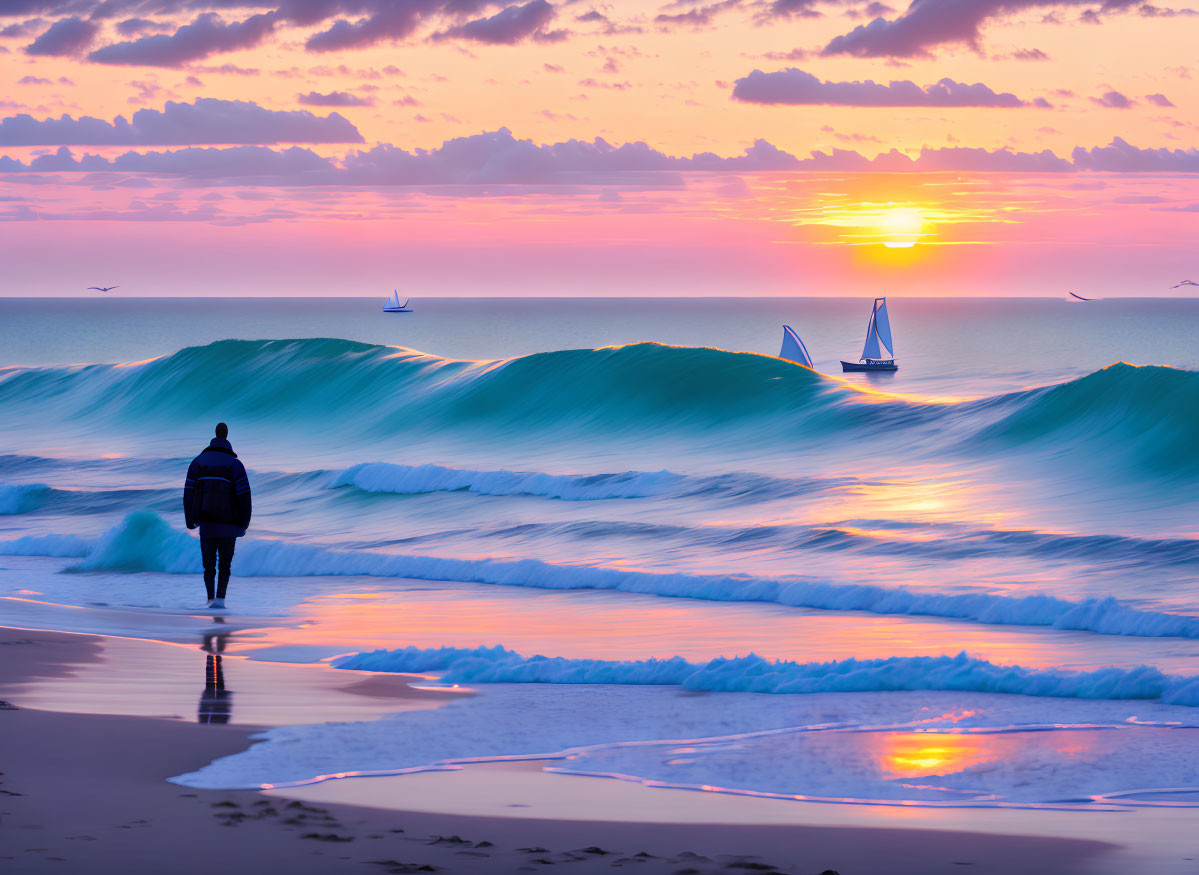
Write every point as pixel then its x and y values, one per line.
pixel 216 496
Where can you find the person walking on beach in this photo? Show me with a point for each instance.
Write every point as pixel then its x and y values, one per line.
pixel 216 497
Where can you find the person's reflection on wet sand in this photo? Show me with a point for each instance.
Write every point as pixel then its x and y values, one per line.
pixel 216 703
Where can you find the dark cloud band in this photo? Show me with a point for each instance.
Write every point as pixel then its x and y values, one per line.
pixel 65 37
pixel 205 36
pixel 206 121
pixel 479 163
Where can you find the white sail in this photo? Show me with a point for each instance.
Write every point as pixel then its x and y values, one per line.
pixel 882 327
pixel 793 348
pixel 878 333
pixel 393 305
pixel 870 348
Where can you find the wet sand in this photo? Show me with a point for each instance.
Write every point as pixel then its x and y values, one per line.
pixel 88 793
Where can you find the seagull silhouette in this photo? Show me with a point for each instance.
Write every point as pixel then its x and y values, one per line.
pixel 1185 283
pixel 102 288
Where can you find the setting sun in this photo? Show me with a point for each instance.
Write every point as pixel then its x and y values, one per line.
pixel 903 227
pixel 894 225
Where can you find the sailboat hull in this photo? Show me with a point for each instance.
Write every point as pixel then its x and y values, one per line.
pixel 870 365
pixel 397 310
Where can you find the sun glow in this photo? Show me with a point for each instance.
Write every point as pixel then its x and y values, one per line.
pixel 903 227
pixel 898 226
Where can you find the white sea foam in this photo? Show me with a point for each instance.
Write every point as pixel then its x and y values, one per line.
pixel 144 542
pixel 417 479
pixel 60 546
pixel 21 497
pixel 753 674
pixel 412 479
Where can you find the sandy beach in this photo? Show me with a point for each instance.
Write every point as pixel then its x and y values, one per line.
pixel 88 793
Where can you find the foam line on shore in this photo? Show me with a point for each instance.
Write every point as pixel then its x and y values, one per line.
pixel 620 724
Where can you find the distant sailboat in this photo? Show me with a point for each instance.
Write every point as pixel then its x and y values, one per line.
pixel 793 349
pixel 1080 297
pixel 393 305
pixel 878 341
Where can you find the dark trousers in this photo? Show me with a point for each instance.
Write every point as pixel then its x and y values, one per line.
pixel 218 554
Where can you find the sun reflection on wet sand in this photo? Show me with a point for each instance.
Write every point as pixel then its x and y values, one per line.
pixel 913 755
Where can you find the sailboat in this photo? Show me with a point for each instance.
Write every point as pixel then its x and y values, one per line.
pixel 393 305
pixel 878 342
pixel 793 349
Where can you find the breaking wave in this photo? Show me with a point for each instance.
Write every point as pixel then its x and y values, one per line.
pixel 380 390
pixel 413 479
pixel 144 542
pixel 1150 412
pixel 417 479
pixel 58 546
pixel 753 674
pixel 30 497
pixel 22 498
pixel 1147 415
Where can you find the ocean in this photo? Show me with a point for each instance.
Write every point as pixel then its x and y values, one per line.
pixel 972 582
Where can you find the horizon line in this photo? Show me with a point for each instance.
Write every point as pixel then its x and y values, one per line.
pixel 705 297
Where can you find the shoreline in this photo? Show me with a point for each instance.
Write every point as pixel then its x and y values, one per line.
pixel 93 795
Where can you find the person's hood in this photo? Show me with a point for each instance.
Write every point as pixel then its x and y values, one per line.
pixel 222 446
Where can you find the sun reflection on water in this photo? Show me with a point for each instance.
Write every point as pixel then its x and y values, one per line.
pixel 913 755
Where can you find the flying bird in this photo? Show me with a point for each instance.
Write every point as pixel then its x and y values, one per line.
pixel 102 288
pixel 1185 283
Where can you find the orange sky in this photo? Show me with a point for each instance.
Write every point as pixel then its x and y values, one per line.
pixel 628 72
